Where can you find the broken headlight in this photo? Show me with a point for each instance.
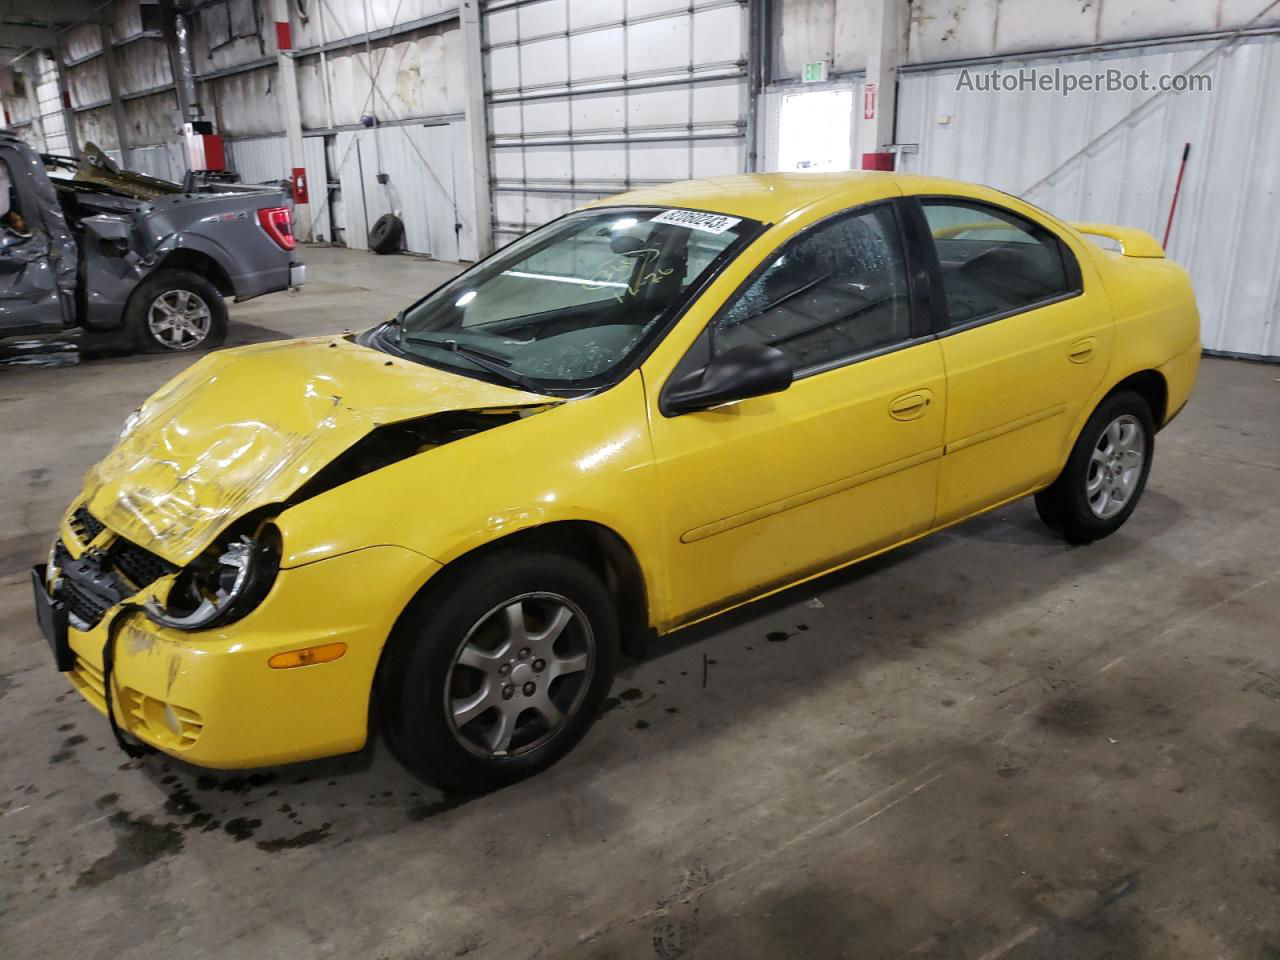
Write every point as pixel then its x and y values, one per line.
pixel 126 428
pixel 221 586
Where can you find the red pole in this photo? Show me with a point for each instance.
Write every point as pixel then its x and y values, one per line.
pixel 1177 189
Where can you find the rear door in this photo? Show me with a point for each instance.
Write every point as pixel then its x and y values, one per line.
pixel 1025 333
pixel 31 267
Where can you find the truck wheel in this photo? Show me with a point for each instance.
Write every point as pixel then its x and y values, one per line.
pixel 495 672
pixel 1105 474
pixel 176 310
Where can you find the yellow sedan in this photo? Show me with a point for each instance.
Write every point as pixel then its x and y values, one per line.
pixel 642 414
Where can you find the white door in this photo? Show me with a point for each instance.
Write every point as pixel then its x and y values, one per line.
pixel 815 131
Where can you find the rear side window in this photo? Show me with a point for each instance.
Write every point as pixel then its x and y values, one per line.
pixel 995 262
pixel 833 292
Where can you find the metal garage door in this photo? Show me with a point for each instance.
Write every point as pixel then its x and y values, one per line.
pixel 590 97
pixel 1110 158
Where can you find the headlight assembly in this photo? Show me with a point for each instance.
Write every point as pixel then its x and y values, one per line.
pixel 126 428
pixel 221 586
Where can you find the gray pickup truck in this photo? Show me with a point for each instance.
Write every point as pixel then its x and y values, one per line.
pixel 132 261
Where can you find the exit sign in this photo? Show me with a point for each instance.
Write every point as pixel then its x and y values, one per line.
pixel 815 72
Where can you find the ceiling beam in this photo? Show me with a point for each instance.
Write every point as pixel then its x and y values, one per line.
pixel 59 12
pixel 25 37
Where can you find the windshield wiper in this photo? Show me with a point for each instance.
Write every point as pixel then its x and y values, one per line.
pixel 492 362
pixel 774 304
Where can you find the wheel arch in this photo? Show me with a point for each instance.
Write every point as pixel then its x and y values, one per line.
pixel 593 543
pixel 197 262
pixel 1148 383
pixel 1152 387
pixel 600 548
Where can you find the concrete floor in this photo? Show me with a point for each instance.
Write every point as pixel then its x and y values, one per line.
pixel 985 745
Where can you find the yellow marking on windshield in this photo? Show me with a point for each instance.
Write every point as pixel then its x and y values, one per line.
pixel 624 265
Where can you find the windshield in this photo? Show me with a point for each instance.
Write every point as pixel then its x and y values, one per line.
pixel 568 306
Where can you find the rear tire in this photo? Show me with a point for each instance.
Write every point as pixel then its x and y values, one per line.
pixel 176 311
pixel 497 670
pixel 1106 473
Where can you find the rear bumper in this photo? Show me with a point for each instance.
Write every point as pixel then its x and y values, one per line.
pixel 210 698
pixel 255 284
pixel 297 274
pixel 1180 379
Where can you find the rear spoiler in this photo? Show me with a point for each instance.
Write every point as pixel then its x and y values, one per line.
pixel 1133 242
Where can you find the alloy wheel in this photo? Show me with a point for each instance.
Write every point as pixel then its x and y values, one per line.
pixel 179 319
pixel 1115 466
pixel 520 673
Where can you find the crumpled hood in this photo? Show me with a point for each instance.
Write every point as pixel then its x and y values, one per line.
pixel 245 428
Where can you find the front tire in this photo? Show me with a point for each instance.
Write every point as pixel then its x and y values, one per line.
pixel 498 669
pixel 1106 473
pixel 175 311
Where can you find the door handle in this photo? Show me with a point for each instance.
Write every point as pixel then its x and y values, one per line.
pixel 1082 350
pixel 911 406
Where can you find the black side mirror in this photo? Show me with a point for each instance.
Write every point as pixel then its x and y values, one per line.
pixel 749 370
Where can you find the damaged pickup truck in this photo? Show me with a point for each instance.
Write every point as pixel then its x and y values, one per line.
pixel 132 261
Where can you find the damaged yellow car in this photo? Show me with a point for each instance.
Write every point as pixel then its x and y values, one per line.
pixel 646 412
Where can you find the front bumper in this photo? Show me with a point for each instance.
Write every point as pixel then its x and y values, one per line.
pixel 210 698
pixel 297 274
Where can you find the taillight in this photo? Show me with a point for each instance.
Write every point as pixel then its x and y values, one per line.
pixel 278 224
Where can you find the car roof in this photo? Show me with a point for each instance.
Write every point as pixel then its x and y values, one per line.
pixel 771 197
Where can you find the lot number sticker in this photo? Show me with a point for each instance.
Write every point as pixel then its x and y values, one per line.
pixel 697 220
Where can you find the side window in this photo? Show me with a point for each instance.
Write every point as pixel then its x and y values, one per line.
pixel 835 291
pixel 994 261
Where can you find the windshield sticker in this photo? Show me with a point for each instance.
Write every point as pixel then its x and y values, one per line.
pixel 715 223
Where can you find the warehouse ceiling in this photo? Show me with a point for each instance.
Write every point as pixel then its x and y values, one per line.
pixel 33 24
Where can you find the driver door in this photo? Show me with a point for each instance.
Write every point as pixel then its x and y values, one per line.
pixel 762 492
pixel 30 301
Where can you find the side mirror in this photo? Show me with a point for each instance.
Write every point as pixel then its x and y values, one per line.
pixel 111 234
pixel 749 370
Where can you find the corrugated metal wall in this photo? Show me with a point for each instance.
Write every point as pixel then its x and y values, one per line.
pixel 168 161
pixel 955 29
pixel 1224 232
pixel 426 168
pixel 589 97
pixel 49 98
pixel 259 159
pixel 46 127
pixel 416 73
pixel 266 159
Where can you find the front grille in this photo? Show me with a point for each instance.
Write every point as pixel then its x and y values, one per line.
pixel 87 586
pixel 141 567
pixel 98 579
pixel 85 524
pixel 84 606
